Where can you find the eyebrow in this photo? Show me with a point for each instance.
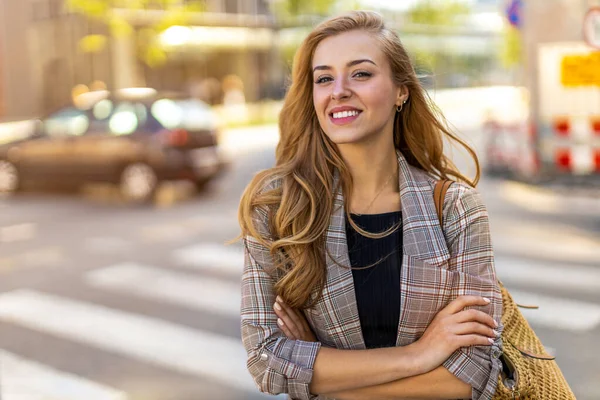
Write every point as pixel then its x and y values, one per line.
pixel 350 64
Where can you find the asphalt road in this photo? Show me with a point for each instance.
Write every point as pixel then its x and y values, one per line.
pixel 102 300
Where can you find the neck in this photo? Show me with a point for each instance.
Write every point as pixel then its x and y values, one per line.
pixel 370 168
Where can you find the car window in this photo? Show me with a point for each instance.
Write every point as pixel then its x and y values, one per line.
pixel 66 122
pixel 188 114
pixel 118 119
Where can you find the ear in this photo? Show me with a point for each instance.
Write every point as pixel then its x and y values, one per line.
pixel 402 95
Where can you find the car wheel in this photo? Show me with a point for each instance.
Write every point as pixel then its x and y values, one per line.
pixel 138 182
pixel 9 177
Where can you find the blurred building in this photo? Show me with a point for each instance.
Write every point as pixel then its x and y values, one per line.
pixel 230 38
pixel 39 58
pixel 464 53
pixel 41 62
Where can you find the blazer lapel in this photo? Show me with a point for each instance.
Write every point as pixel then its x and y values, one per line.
pixel 423 240
pixel 338 305
pixel 424 252
pixel 422 236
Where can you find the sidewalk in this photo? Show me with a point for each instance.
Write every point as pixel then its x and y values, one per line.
pixel 579 201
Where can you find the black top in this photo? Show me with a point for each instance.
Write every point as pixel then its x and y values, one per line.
pixel 377 288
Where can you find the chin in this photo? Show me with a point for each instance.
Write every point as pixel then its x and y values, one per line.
pixel 341 136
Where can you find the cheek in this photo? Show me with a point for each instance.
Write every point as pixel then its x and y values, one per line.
pixel 320 103
pixel 319 100
pixel 379 96
pixel 382 101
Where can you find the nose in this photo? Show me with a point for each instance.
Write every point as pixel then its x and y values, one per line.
pixel 340 90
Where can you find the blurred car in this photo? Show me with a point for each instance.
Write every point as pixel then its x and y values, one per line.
pixel 134 138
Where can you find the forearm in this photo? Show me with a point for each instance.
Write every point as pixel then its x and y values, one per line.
pixel 436 384
pixel 341 370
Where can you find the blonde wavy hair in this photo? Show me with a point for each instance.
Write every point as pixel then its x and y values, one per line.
pixel 297 195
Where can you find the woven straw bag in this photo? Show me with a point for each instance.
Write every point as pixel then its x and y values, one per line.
pixel 529 373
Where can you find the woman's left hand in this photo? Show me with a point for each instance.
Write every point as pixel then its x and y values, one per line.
pixel 292 322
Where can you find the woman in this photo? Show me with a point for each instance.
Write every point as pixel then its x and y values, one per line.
pixel 351 289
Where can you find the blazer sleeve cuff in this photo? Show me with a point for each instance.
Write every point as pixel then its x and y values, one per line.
pixel 290 367
pixel 479 367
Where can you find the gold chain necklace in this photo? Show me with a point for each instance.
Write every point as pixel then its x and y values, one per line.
pixel 377 195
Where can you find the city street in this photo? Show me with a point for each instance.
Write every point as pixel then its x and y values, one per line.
pixel 101 300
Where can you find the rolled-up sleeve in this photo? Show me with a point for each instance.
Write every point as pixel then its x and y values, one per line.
pixel 277 364
pixel 468 234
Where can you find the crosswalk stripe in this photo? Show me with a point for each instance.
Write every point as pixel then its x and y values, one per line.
pixel 212 257
pixel 169 286
pixel 22 379
pixel 558 313
pixel 179 348
pixel 543 275
pixel 16 233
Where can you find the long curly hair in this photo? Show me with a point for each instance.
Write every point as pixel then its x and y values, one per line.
pixel 296 197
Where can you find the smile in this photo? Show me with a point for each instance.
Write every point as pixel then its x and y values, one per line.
pixel 344 117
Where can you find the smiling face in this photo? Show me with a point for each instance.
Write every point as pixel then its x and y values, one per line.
pixel 354 95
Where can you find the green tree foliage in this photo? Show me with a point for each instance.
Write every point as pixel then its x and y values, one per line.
pixel 438 12
pixel 436 15
pixel 289 9
pixel 512 47
pixel 110 13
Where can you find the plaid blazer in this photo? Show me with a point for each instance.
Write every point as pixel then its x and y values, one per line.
pixel 438 265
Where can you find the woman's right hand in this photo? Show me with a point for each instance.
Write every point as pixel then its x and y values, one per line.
pixel 452 328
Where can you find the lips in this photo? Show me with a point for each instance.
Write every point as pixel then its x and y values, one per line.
pixel 344 115
pixel 343 109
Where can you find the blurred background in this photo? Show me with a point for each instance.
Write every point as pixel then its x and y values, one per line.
pixel 129 128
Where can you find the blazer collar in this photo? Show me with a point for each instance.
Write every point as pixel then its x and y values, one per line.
pixel 423 238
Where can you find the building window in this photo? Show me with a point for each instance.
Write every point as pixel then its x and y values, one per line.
pixel 40 10
pixel 262 7
pixel 56 8
pixel 231 6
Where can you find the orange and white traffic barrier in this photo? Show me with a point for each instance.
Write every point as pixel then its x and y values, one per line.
pixel 577 144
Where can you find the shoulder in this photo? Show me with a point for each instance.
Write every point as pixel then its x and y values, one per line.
pixel 265 184
pixel 463 203
pixel 259 203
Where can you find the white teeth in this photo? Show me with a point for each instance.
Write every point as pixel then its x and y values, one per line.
pixel 345 114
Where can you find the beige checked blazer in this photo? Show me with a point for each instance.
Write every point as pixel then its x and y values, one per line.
pixel 436 268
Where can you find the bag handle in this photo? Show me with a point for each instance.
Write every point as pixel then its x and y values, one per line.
pixel 439 194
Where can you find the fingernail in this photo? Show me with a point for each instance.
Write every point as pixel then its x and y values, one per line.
pixel 486 300
pixel 277 307
pixel 495 324
pixel 491 340
pixel 279 321
pixel 279 299
pixel 496 332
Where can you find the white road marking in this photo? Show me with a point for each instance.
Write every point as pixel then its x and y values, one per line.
pixel 17 233
pixel 169 286
pixel 541 200
pixel 165 233
pixel 107 244
pixel 237 141
pixel 560 242
pixel 557 313
pixel 212 257
pixel 50 256
pixel 149 340
pixel 22 379
pixel 543 275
